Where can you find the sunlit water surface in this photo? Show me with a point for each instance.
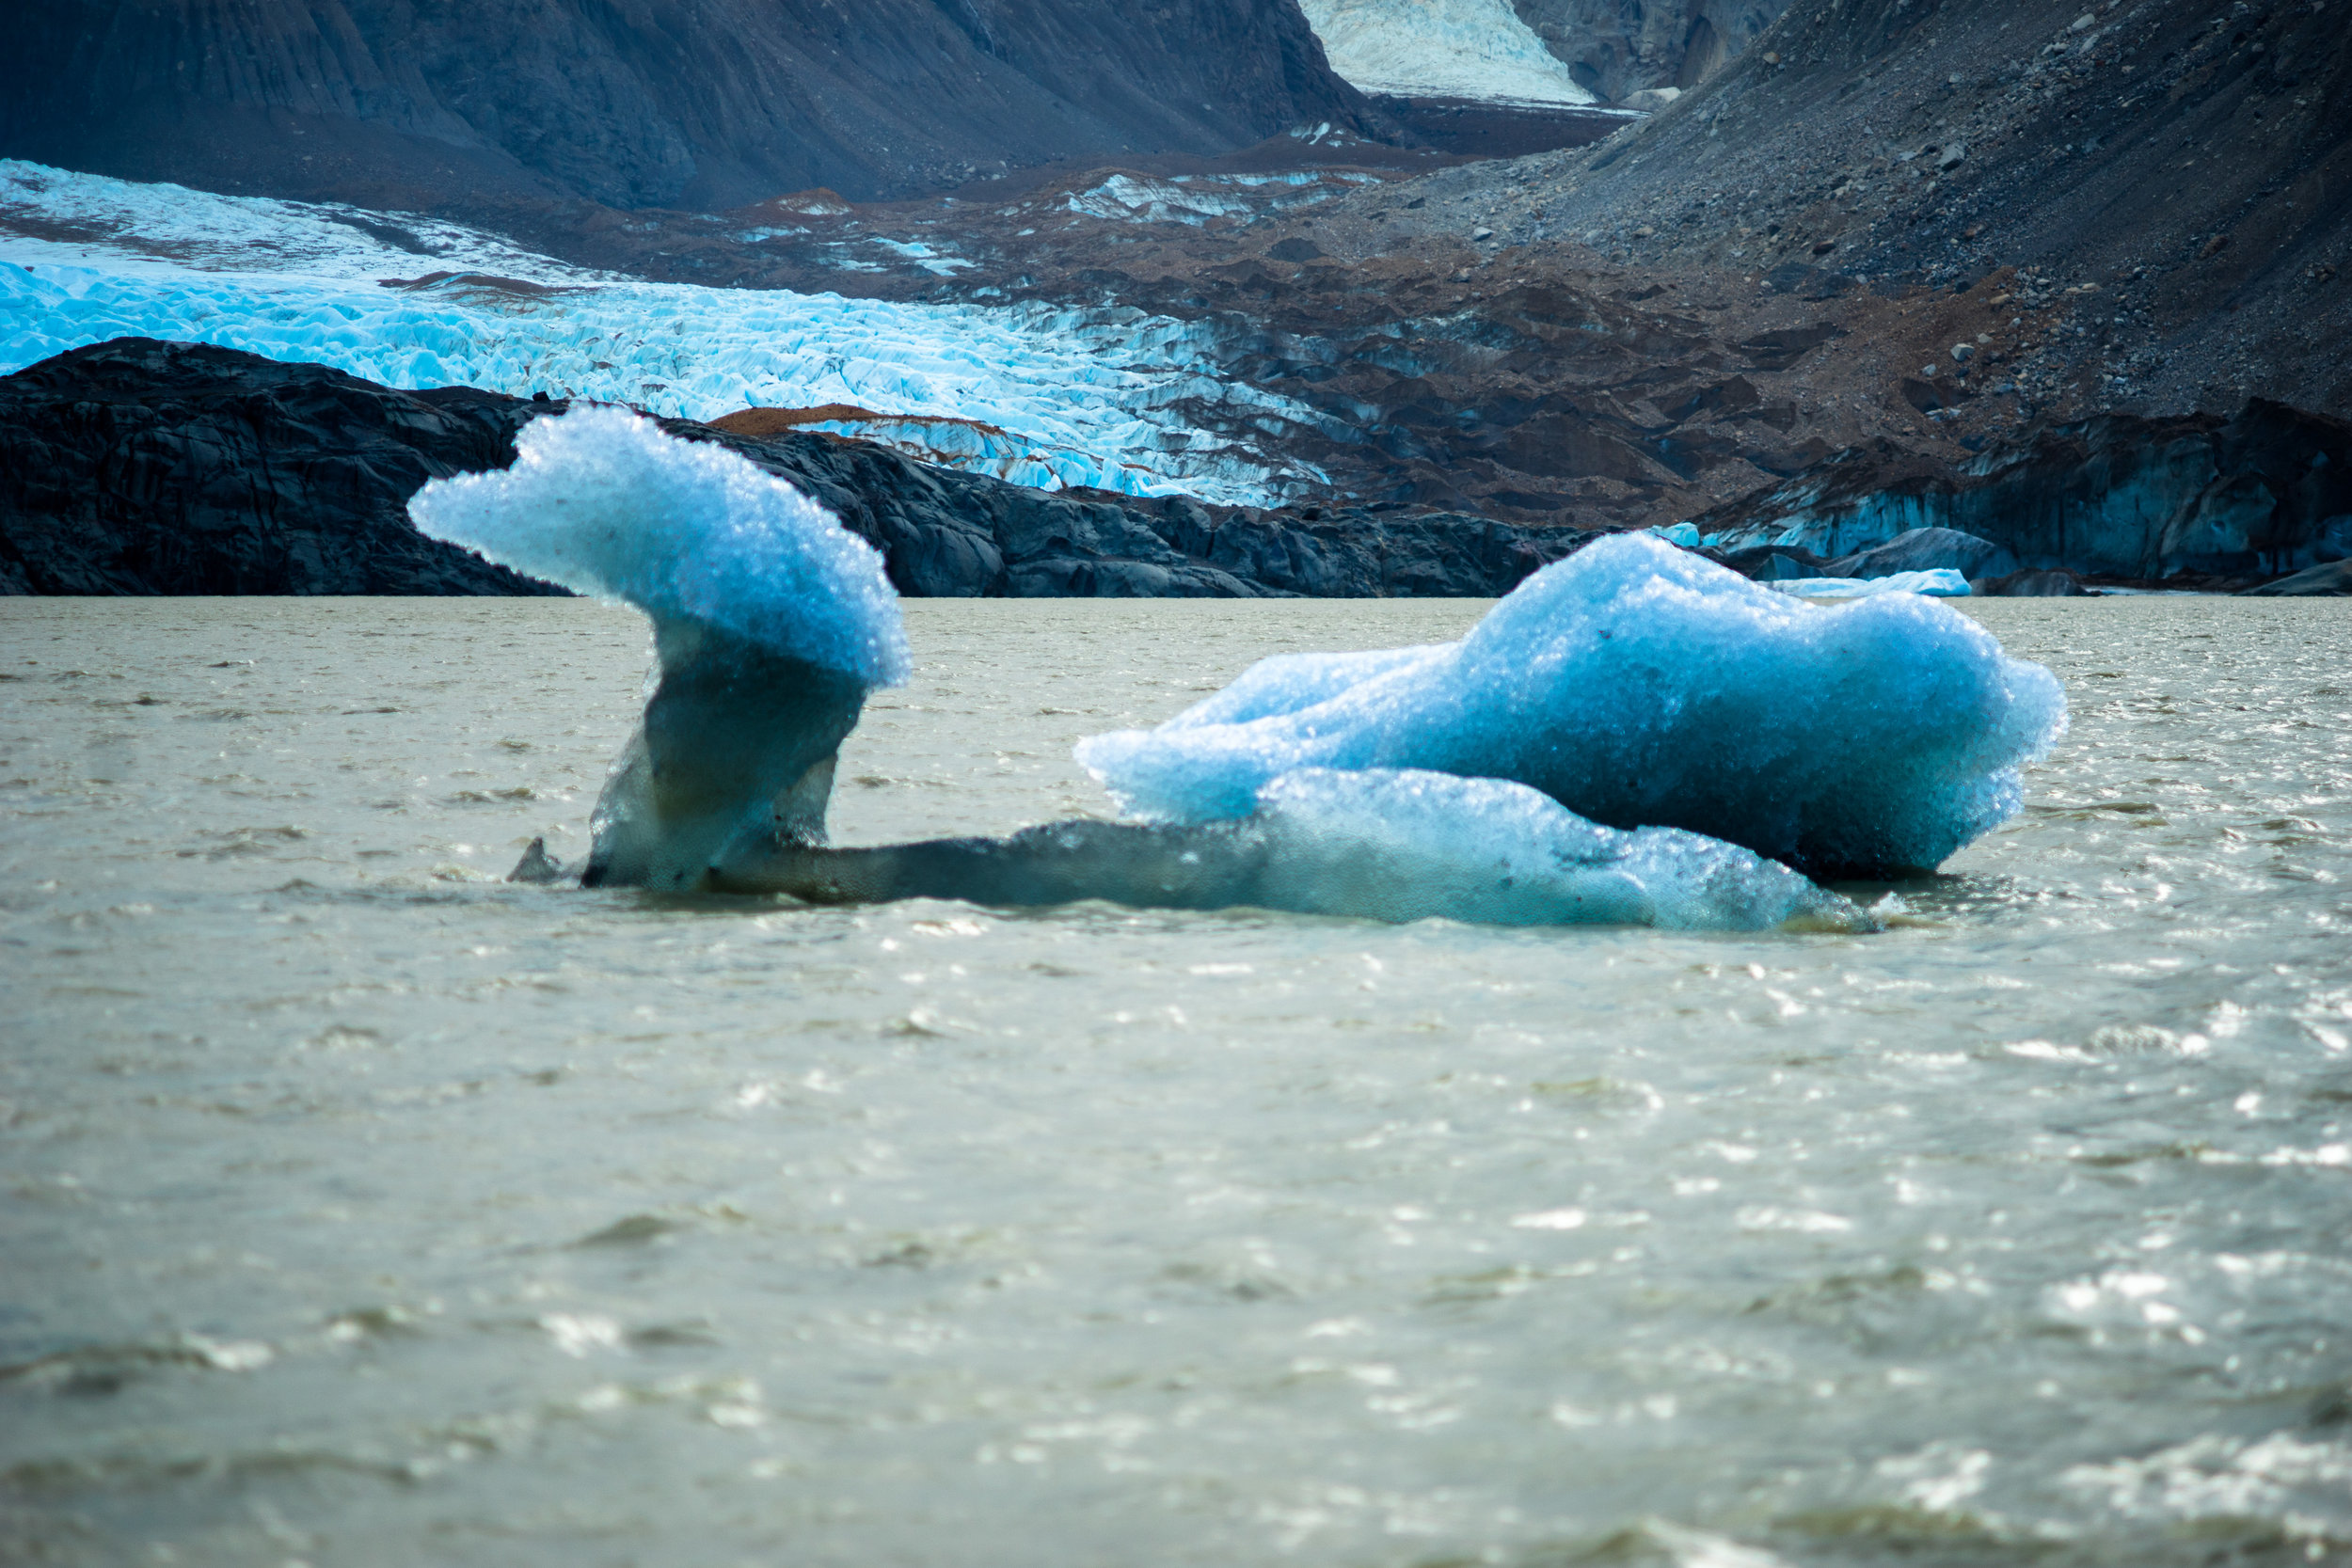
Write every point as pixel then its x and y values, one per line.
pixel 357 1208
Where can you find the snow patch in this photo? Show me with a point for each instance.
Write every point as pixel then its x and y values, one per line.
pixel 1196 199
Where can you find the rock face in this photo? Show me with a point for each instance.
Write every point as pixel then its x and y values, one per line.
pixel 446 107
pixel 139 466
pixel 2031 585
pixel 1616 48
pixel 1928 549
pixel 2267 492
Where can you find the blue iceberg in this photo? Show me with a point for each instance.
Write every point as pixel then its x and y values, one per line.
pixel 1641 686
pixel 771 623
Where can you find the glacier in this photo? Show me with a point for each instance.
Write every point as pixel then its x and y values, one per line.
pixel 771 623
pixel 1441 48
pixel 1641 686
pixel 1096 399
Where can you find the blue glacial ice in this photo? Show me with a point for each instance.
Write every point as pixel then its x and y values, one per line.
pixel 771 622
pixel 1641 686
pixel 1107 400
pixel 601 501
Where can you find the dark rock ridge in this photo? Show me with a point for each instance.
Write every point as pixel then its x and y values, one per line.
pixel 2266 492
pixel 1614 48
pixel 139 466
pixel 449 107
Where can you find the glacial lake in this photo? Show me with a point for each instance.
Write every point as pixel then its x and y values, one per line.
pixel 359 1208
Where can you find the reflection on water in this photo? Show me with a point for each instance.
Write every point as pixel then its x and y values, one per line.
pixel 359 1208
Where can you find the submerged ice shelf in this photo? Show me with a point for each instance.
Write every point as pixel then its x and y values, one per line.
pixel 1388 845
pixel 1089 399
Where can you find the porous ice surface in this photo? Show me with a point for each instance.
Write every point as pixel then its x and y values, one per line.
pixel 600 501
pixel 1407 845
pixel 1642 686
pixel 1444 48
pixel 1102 399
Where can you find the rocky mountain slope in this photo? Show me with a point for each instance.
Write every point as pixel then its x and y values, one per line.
pixel 1616 48
pixel 2179 170
pixel 475 107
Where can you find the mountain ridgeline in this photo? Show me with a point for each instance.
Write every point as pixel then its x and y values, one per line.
pixel 450 106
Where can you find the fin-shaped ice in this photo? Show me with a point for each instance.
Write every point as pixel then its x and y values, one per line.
pixel 771 622
pixel 1375 845
pixel 1641 686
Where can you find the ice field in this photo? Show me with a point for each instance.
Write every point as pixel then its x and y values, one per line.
pixel 1097 399
pixel 1441 48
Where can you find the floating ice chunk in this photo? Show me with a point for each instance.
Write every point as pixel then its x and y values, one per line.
pixel 771 622
pixel 601 501
pixel 1941 583
pixel 1642 686
pixel 1685 534
pixel 1375 845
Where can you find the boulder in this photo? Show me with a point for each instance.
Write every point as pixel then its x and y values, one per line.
pixel 2334 578
pixel 2030 584
pixel 1925 549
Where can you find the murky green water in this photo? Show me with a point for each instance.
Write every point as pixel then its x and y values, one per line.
pixel 357 1209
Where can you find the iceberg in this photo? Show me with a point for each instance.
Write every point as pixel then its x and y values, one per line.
pixel 1641 686
pixel 771 622
pixel 1381 845
pixel 1941 583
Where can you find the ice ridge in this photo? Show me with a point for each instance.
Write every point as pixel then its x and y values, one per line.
pixel 601 501
pixel 1641 686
